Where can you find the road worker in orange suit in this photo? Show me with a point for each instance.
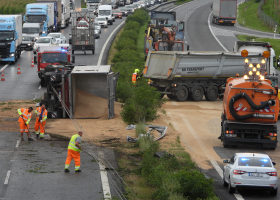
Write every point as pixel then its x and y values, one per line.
pixel 74 149
pixel 135 76
pixel 42 114
pixel 24 119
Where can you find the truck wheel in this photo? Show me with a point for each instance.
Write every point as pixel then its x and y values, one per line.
pixel 211 93
pixel 197 93
pixel 182 93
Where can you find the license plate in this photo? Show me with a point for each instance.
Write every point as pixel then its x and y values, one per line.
pixel 2 43
pixel 256 174
pixel 231 135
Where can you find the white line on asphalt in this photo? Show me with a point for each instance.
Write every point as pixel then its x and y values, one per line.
pixel 7 177
pixel 104 46
pixel 39 87
pixel 206 152
pixel 18 142
pixel 22 52
pixel 214 34
pixel 2 69
pixel 104 178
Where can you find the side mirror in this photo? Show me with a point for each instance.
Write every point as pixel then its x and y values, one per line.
pixel 225 161
pixel 274 163
pixel 35 59
pixel 73 59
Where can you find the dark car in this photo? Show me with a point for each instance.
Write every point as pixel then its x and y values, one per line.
pixel 117 13
pixel 27 43
pixel 124 11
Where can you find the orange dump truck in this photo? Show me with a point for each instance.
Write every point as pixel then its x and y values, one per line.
pixel 250 107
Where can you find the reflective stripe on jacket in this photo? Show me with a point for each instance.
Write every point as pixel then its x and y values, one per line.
pixel 26 115
pixel 72 144
pixel 45 113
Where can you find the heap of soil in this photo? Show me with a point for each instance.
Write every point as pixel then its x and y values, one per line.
pixel 89 106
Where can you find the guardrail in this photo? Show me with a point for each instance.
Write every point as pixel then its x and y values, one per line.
pixel 264 17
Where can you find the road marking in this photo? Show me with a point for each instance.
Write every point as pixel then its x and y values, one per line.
pixel 104 46
pixel 22 52
pixel 214 34
pixel 2 69
pixel 18 142
pixel 7 177
pixel 39 87
pixel 174 103
pixel 206 152
pixel 104 179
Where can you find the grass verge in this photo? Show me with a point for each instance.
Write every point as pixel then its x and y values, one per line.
pixel 271 10
pixel 275 43
pixel 179 2
pixel 14 6
pixel 249 12
pixel 113 50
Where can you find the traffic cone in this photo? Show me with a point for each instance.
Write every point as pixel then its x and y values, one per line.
pixel 18 70
pixel 2 76
pixel 32 63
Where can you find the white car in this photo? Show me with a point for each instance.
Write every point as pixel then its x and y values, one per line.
pixel 250 170
pixel 102 21
pixel 137 4
pixel 43 41
pixel 59 37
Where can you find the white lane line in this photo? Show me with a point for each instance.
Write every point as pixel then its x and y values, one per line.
pixel 206 152
pixel 174 103
pixel 7 177
pixel 214 34
pixel 104 46
pixel 2 69
pixel 104 179
pixel 18 142
pixel 22 52
pixel 39 87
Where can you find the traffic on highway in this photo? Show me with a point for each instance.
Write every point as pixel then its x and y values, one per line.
pixel 221 95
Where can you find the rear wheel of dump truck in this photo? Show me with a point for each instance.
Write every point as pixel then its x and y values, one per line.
pixel 197 93
pixel 211 93
pixel 182 93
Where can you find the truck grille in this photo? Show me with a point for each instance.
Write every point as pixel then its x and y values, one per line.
pixel 5 50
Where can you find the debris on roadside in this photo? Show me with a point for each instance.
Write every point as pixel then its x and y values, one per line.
pixel 160 129
pixel 162 154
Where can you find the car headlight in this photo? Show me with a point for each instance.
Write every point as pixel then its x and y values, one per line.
pixel 96 31
pixel 37 38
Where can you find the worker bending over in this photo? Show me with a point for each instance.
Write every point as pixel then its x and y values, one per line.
pixel 74 149
pixel 135 76
pixel 42 114
pixel 24 119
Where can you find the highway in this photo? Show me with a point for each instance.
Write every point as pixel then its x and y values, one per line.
pixel 200 141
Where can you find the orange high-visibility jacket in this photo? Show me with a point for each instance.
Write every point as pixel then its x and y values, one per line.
pixel 26 115
pixel 134 77
pixel 38 112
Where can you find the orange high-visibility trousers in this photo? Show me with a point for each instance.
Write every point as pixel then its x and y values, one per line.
pixel 23 127
pixel 41 125
pixel 73 155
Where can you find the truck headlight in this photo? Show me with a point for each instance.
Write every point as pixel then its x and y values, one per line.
pixel 11 55
pixel 43 32
pixel 28 44
pixel 37 38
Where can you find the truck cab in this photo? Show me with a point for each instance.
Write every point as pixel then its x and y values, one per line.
pixel 33 30
pixel 107 12
pixel 52 55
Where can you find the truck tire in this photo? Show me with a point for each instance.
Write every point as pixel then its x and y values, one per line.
pixel 182 93
pixel 211 93
pixel 43 82
pixel 197 93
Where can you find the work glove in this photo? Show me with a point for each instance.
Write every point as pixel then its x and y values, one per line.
pixel 26 123
pixel 41 121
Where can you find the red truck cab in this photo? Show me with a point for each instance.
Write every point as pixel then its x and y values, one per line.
pixel 51 55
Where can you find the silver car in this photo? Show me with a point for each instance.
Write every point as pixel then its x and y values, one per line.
pixel 97 27
pixel 27 43
pixel 102 21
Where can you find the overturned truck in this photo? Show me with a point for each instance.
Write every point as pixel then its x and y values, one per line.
pixel 84 92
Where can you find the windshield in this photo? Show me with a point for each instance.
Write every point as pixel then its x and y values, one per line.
pixel 104 12
pixel 254 161
pixel 43 40
pixel 100 19
pixel 177 47
pixel 26 38
pixel 54 35
pixel 30 30
pixel 36 18
pixel 116 11
pixel 93 1
pixel 6 35
pixel 54 57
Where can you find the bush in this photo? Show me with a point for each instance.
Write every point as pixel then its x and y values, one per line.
pixel 126 69
pixel 124 90
pixel 131 34
pixel 194 185
pixel 13 10
pixel 132 25
pixel 2 8
pixel 7 10
pixel 127 55
pixel 126 43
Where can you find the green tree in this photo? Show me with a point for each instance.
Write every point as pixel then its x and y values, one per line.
pixel 2 8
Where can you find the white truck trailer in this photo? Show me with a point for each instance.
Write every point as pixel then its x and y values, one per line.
pixel 65 16
pixel 224 11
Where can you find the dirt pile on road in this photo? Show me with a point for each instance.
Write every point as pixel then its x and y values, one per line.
pixel 90 106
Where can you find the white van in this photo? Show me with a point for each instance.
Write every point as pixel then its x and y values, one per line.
pixel 106 11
